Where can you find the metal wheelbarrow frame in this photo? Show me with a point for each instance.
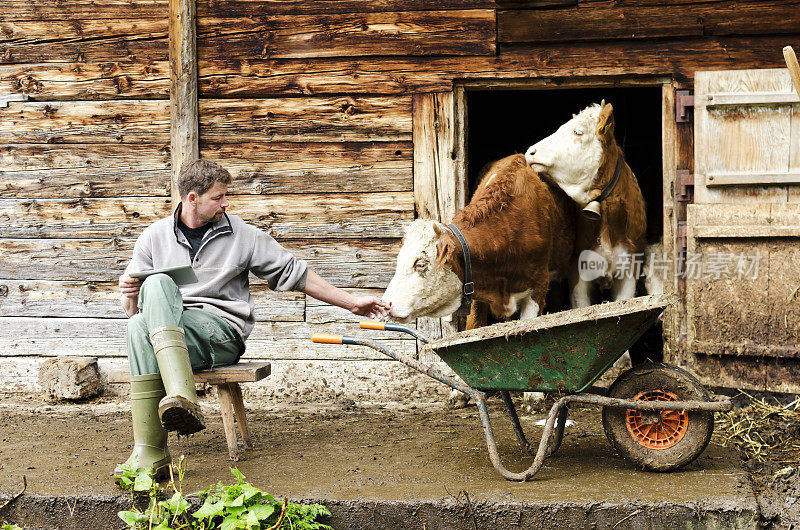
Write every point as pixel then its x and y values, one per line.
pixel 562 352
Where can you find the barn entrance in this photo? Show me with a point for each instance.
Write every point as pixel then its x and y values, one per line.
pixel 503 122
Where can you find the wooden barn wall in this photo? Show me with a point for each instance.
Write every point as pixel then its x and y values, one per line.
pixel 309 105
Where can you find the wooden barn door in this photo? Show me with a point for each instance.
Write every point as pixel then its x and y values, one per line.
pixel 743 232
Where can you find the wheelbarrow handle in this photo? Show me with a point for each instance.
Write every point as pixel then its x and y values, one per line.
pixel 324 338
pixel 793 66
pixel 387 326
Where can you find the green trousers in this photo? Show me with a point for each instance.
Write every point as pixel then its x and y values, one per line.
pixel 210 340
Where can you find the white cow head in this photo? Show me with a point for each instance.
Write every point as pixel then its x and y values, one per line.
pixel 423 285
pixel 571 156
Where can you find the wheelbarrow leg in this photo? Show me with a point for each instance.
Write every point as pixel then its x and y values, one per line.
pixel 541 452
pixel 558 435
pixel 512 415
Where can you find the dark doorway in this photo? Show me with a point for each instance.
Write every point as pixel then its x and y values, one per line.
pixel 504 122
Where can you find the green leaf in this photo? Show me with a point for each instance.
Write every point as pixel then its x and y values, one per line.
pixel 253 520
pixel 143 482
pixel 132 518
pixel 230 522
pixel 238 501
pixel 238 475
pixel 176 504
pixel 209 509
pixel 262 511
pixel 250 492
pixel 236 510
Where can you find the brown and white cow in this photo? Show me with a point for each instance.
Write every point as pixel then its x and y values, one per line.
pixel 519 229
pixel 581 157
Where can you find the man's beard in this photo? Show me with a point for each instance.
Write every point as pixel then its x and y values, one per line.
pixel 214 218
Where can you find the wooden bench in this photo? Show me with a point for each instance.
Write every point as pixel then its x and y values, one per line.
pixel 226 379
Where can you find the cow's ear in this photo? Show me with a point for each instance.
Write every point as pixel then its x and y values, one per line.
pixel 444 250
pixel 605 122
pixel 439 228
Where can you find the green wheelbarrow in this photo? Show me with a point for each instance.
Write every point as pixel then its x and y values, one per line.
pixel 656 415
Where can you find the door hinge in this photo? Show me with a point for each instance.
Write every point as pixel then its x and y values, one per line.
pixel 684 193
pixel 684 99
pixel 682 242
pixel 684 185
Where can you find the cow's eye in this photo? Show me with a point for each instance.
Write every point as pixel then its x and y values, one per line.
pixel 577 132
pixel 420 265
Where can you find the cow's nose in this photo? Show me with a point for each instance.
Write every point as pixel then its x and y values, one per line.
pixel 530 154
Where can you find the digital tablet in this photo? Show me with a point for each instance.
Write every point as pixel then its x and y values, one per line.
pixel 182 275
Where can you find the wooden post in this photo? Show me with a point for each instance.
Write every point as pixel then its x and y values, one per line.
pixel 438 186
pixel 184 114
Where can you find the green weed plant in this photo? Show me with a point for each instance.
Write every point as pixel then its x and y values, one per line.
pixel 225 507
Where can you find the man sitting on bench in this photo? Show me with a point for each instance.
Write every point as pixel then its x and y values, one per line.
pixel 173 330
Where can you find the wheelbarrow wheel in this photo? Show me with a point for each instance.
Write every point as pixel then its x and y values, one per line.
pixel 658 444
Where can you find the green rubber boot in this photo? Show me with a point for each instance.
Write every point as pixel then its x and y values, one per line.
pixel 149 437
pixel 179 410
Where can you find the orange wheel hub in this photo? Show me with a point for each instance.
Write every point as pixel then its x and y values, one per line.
pixel 667 432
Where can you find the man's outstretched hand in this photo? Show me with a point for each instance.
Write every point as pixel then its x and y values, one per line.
pixel 369 306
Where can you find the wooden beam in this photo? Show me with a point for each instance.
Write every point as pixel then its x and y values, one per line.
pixel 435 186
pixel 438 185
pixel 86 81
pixel 258 78
pixel 616 22
pixel 307 119
pixel 184 115
pixel 302 216
pixel 267 8
pixel 462 32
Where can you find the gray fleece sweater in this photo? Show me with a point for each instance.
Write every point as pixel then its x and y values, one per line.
pixel 230 250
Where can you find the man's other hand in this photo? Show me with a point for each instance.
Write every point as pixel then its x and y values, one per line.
pixel 369 306
pixel 129 286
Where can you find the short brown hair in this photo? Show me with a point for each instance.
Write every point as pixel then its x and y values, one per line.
pixel 200 175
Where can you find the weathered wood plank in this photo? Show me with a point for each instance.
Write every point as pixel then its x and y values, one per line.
pixel 318 312
pixel 64 259
pixel 347 263
pixel 85 122
pixel 97 170
pixel 103 170
pixel 184 118
pixel 262 8
pixel 88 81
pixel 58 10
pixel 266 167
pixel 378 215
pixel 264 77
pixel 639 22
pixel 322 119
pixel 75 30
pixel 101 300
pixel 462 32
pixel 76 40
pixel 435 186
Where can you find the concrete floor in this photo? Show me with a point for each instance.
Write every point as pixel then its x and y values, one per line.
pixel 374 467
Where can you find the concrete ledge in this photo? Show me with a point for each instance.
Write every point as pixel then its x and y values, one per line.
pixel 100 512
